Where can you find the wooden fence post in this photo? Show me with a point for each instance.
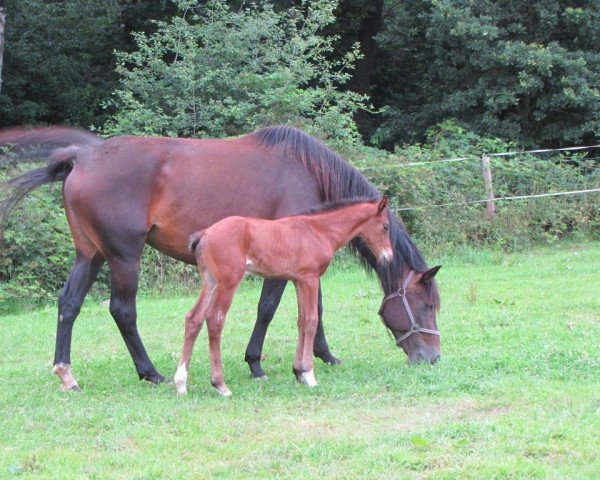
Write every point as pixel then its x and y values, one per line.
pixel 487 180
pixel 2 19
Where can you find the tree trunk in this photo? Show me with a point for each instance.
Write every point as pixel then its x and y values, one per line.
pixel 370 26
pixel 2 19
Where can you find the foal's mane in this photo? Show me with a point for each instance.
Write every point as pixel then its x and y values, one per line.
pixel 340 181
pixel 337 204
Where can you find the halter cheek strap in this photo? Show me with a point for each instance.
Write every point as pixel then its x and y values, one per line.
pixel 414 326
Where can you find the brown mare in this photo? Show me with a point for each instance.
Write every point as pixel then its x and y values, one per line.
pixel 297 248
pixel 122 192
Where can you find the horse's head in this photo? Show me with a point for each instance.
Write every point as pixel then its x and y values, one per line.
pixel 375 233
pixel 410 314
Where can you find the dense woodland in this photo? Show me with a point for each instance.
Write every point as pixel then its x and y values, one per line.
pixel 383 82
pixel 527 72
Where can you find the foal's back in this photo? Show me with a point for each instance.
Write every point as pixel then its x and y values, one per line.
pixel 284 248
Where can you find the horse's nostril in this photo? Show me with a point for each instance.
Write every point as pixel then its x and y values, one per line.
pixel 435 359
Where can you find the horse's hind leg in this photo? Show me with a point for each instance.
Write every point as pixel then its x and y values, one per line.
pixel 82 276
pixel 124 284
pixel 270 297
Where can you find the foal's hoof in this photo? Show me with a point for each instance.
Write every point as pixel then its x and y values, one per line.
pixel 181 391
pixel 222 390
pixel 306 378
pixel 72 388
pixel 328 358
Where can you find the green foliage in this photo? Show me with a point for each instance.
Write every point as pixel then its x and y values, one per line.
pixel 523 71
pixel 517 223
pixel 58 64
pixel 218 72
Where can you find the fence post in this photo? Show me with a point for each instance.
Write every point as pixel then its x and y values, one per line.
pixel 487 180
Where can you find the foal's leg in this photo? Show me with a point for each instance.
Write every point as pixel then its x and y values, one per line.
pixel 321 349
pixel 82 276
pixel 215 320
pixel 307 292
pixel 270 297
pixel 193 324
pixel 124 283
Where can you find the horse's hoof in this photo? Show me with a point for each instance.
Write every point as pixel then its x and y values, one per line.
pixel 154 378
pixel 264 377
pixel 328 358
pixel 181 391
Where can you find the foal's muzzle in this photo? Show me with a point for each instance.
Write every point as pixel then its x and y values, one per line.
pixel 386 257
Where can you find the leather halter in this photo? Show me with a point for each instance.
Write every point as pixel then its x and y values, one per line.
pixel 414 326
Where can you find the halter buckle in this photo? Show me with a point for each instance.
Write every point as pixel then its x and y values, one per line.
pixel 401 292
pixel 414 328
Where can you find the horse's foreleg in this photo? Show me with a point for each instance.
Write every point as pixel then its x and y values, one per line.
pixel 307 292
pixel 321 349
pixel 193 324
pixel 270 297
pixel 124 283
pixel 82 276
pixel 215 321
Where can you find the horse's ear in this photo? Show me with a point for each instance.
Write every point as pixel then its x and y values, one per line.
pixel 429 274
pixel 384 203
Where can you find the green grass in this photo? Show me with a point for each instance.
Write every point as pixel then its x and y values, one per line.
pixel 516 394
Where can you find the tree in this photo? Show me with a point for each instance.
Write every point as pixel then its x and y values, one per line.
pixel 2 21
pixel 218 72
pixel 526 71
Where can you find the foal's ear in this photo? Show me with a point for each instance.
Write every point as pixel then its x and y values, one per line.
pixel 429 274
pixel 384 203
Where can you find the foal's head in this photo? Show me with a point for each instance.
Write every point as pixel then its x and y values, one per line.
pixel 375 232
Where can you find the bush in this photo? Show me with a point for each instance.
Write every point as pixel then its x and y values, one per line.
pixel 215 72
pixel 516 224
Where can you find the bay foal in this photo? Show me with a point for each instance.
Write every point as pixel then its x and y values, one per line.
pixel 297 248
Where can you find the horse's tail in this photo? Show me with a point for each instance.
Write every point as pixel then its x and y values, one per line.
pixel 58 166
pixel 38 143
pixel 194 240
pixel 58 145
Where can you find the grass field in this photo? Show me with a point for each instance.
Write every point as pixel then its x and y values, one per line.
pixel 515 395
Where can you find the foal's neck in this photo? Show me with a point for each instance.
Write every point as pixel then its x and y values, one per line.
pixel 341 225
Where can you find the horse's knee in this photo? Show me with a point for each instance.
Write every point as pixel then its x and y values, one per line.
pixel 123 312
pixel 67 309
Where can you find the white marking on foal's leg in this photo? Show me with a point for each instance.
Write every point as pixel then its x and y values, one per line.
pixel 223 390
pixel 63 371
pixel 308 378
pixel 181 380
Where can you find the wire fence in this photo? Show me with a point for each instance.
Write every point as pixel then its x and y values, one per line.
pixel 588 164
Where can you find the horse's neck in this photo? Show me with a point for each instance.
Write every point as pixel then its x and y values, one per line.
pixel 337 227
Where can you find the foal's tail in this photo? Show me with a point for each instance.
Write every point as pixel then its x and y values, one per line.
pixel 58 145
pixel 194 240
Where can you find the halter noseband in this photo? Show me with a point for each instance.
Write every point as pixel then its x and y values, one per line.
pixel 414 326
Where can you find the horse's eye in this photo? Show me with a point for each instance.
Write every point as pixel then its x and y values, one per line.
pixel 386 228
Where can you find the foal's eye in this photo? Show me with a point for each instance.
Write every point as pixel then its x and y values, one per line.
pixel 386 228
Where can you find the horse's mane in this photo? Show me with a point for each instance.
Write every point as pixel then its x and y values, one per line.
pixel 340 181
